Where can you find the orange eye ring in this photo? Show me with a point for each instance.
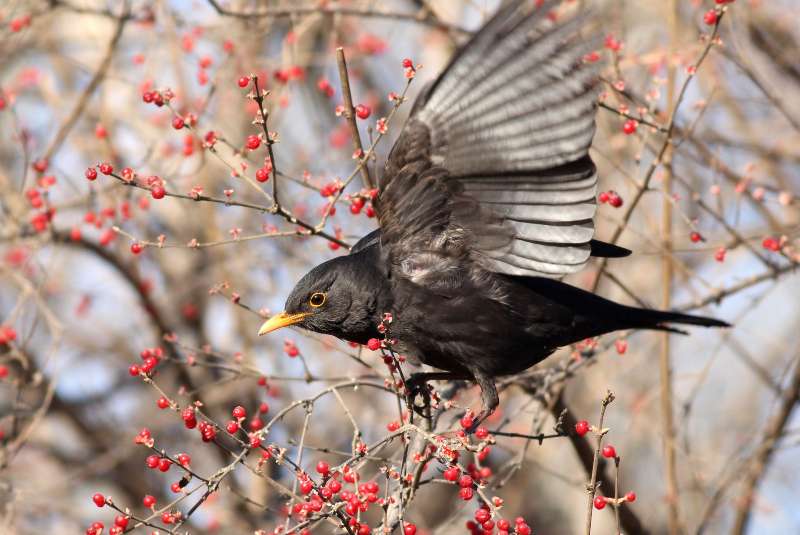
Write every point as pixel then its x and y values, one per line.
pixel 317 299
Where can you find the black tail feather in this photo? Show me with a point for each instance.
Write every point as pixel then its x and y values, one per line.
pixel 655 319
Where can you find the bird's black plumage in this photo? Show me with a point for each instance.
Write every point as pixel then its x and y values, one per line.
pixel 486 200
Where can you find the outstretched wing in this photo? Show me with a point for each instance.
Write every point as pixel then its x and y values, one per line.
pixel 493 164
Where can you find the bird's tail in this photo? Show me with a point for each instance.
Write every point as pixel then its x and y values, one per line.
pixel 645 318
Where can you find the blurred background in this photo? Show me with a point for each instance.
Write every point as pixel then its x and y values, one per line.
pixel 698 147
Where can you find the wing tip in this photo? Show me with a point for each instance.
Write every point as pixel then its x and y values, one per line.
pixel 608 250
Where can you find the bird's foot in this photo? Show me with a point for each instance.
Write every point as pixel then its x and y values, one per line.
pixel 417 386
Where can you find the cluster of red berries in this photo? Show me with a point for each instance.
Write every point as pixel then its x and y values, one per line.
pixel 7 334
pixel 158 98
pixel 324 85
pixel 120 521
pixel 630 126
pixel 150 359
pixel 601 501
pixel 294 72
pixel 771 244
pixel 262 173
pixel 19 23
pixel 483 524
pixel 611 197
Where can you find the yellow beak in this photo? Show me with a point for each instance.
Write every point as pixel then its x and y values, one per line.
pixel 281 320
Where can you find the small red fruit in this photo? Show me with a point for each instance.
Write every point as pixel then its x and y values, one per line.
pixel 363 111
pixel 99 500
pixel 91 173
pixel 630 126
pixel 710 17
pixel 232 427
pixel 253 142
pixel 239 412
pixel 452 473
pixel 695 237
pixel 157 191
pixel 373 344
pixel 244 81
pixel 323 467
pixel 262 175
pixel 630 497
pixel 136 247
pixel 582 427
pixel 409 529
pixel 106 168
pixel 149 501
pixel 599 503
pixel 609 452
pixel 178 123
pixel 408 64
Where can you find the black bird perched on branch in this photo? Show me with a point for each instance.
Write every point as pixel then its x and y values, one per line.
pixel 486 199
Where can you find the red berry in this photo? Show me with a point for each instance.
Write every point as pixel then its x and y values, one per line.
pixel 629 127
pixel 178 123
pixel 40 165
pixel 466 493
pixel 622 346
pixel 599 503
pixel 363 111
pixel 184 459
pixel 452 473
pixel 582 427
pixel 253 142
pixel 106 168
pixel 465 481
pixel 323 467
pixel 232 427
pixel 133 370
pixel 262 175
pixel 239 412
pixel 149 501
pixel 409 529
pixel 164 464
pixel 771 244
pixel 710 17
pixel 373 344
pixel 157 191
pixel 609 452
pixel 614 199
pixel 482 515
pixel 603 197
pixel 91 173
pixel 467 420
pixel 99 500
pixel 695 237
pixel 523 529
pixel 162 402
pixel 408 64
pixel 121 521
pixel 136 247
pixel 630 497
pixel 244 81
pixel 481 433
pixel 719 254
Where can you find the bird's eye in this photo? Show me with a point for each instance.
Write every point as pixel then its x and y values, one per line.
pixel 317 300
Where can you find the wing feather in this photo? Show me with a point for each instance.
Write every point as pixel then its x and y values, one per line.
pixel 492 169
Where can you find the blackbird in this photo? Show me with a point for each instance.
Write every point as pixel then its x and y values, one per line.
pixel 486 200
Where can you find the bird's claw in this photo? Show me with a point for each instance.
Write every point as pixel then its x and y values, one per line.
pixel 414 388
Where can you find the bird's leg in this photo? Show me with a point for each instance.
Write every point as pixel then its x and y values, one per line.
pixel 489 399
pixel 417 384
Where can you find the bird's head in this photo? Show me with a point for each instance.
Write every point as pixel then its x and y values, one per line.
pixel 339 297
